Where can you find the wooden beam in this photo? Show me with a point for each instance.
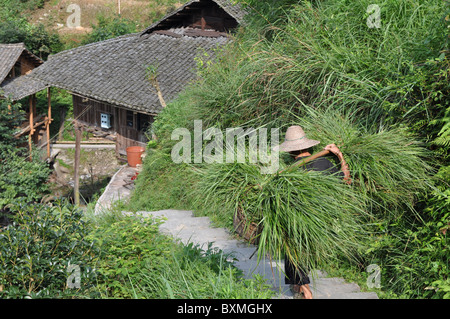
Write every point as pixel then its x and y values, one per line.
pixel 37 123
pixel 76 188
pixel 62 117
pixel 123 107
pixel 35 137
pixel 49 115
pixel 31 119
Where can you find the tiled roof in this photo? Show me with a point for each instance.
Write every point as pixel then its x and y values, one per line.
pixel 21 87
pixel 234 10
pixel 9 54
pixel 114 70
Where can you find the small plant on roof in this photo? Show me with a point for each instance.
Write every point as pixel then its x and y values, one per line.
pixel 151 71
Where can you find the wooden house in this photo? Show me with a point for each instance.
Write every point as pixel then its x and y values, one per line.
pixel 16 62
pixel 109 80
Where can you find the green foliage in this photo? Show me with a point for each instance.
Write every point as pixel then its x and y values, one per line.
pixel 126 244
pixel 36 250
pixel 326 56
pixel 315 218
pixel 267 12
pixel 137 261
pixel 16 8
pixel 11 116
pixel 443 137
pixel 310 217
pixel 194 273
pixel 20 176
pixel 35 37
pixel 413 255
pixel 108 28
pixel 59 99
pixel 389 165
pixel 15 28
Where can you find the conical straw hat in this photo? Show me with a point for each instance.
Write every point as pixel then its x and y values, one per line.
pixel 296 140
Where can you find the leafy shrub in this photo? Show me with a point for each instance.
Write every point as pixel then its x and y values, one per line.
pixel 108 28
pixel 35 37
pixel 22 178
pixel 11 116
pixel 37 248
pixel 20 175
pixel 137 261
pixel 126 245
pixel 414 254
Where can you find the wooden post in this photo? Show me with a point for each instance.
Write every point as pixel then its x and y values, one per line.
pixel 31 119
pixel 61 125
pixel 77 163
pixel 49 120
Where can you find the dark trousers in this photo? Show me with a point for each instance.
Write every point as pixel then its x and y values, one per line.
pixel 294 276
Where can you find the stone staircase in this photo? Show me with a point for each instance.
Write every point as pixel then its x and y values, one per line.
pixel 198 230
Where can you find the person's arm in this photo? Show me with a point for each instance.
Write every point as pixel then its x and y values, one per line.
pixel 344 166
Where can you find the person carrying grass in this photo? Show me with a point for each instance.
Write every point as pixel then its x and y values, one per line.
pixel 298 146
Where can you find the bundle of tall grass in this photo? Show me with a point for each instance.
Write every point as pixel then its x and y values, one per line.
pixel 309 217
pixel 313 218
pixel 389 164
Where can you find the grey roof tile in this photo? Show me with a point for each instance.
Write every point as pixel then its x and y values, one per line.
pixel 9 54
pixel 114 70
pixel 21 87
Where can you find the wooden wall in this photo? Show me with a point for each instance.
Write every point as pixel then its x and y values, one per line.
pixel 129 126
pixel 88 111
pixel 201 15
pixel 212 17
pixel 26 65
